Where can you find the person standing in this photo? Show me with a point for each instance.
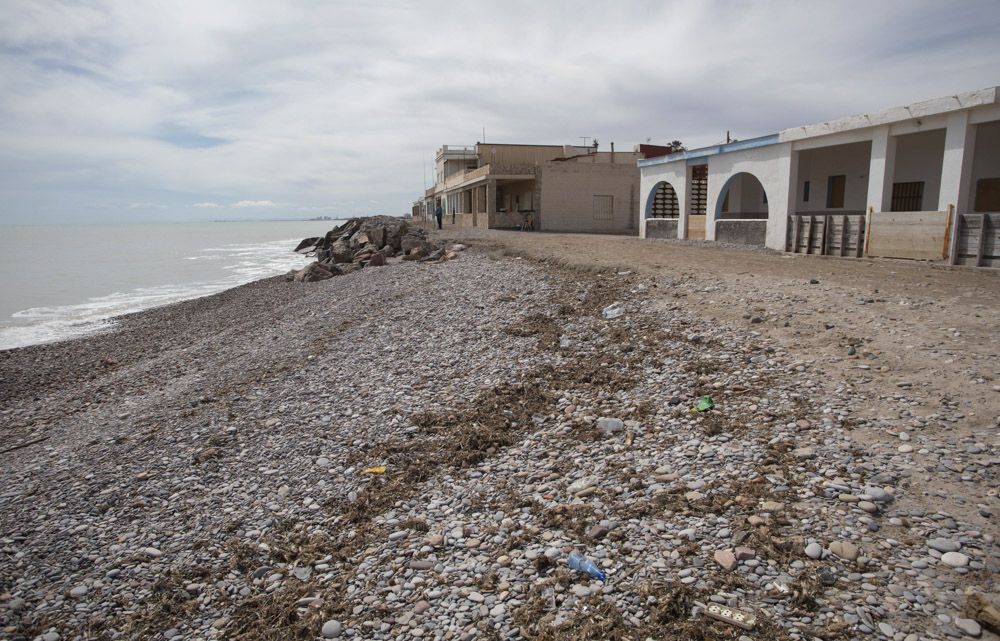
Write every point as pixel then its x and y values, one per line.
pixel 439 214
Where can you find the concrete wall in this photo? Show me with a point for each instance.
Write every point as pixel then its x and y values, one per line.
pixel 986 159
pixel 567 197
pixel 817 165
pixel 457 220
pixel 741 232
pixel 918 159
pixel 661 228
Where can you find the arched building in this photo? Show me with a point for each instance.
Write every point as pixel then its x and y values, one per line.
pixel 919 181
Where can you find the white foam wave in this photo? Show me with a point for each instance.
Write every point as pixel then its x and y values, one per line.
pixel 245 263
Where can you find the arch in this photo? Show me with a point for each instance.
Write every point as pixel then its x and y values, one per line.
pixel 742 197
pixel 663 201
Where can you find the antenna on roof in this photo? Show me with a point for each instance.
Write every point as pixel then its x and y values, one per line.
pixel 585 139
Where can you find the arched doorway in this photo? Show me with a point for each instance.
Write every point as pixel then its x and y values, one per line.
pixel 741 211
pixel 742 198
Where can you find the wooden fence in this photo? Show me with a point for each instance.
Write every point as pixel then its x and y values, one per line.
pixel 977 240
pixel 826 234
pixel 919 235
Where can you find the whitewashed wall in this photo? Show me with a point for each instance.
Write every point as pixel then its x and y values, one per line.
pixel 674 173
pixel 773 167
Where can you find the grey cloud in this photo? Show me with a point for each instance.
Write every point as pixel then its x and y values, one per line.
pixel 320 105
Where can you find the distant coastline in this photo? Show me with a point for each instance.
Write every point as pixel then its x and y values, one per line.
pixel 276 220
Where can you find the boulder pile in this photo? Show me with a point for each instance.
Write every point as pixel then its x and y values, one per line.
pixel 366 242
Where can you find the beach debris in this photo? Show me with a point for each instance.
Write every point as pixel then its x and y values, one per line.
pixel 608 426
pixel 580 563
pixel 705 403
pixel 612 311
pixel 378 469
pixel 979 608
pixel 732 616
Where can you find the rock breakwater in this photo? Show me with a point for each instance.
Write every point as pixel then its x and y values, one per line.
pixel 366 242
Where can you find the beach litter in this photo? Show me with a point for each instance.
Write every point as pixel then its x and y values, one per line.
pixel 732 616
pixel 608 426
pixel 612 311
pixel 580 563
pixel 705 403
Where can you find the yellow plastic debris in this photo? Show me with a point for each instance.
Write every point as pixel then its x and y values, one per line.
pixel 375 470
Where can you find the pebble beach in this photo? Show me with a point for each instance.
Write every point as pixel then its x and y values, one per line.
pixel 414 451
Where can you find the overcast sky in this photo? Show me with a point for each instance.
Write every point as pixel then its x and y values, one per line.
pixel 204 109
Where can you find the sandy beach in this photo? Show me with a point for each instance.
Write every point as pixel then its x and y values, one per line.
pixel 213 469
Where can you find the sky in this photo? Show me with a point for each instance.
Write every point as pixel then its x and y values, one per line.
pixel 186 110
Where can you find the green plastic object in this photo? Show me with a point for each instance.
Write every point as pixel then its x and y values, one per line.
pixel 705 403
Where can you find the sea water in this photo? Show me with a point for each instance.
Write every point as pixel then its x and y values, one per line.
pixel 62 281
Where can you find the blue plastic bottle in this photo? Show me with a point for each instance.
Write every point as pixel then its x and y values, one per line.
pixel 581 563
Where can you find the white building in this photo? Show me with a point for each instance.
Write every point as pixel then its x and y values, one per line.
pixel 838 187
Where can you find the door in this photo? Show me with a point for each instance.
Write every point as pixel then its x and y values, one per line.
pixel 698 202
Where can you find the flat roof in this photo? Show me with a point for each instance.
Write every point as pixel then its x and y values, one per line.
pixel 923 109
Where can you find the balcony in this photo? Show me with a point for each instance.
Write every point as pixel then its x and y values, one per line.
pixel 455 152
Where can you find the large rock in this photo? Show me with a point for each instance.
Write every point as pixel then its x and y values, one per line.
pixel 412 241
pixel 377 236
pixel 340 251
pixel 312 273
pixel 359 239
pixel 308 244
pixel 377 260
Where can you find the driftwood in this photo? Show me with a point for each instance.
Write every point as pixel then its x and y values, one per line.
pixel 979 608
pixel 22 445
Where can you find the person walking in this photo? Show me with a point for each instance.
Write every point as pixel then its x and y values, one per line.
pixel 439 213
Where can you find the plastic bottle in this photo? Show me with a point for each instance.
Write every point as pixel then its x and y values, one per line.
pixel 581 563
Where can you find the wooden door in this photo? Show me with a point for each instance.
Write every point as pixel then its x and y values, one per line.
pixel 696 227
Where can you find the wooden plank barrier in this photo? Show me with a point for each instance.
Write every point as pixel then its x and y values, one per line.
pixel 920 235
pixel 977 240
pixel 826 233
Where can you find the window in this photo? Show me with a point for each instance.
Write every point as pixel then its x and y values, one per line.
pixel 907 196
pixel 835 192
pixel 603 207
pixel 988 194
pixel 805 192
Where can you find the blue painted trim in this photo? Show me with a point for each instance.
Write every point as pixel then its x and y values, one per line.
pixel 740 145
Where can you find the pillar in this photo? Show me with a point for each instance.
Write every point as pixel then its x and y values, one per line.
pixel 882 169
pixel 781 203
pixel 491 201
pixel 956 167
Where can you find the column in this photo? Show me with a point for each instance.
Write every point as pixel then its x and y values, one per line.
pixel 491 202
pixel 882 169
pixel 781 205
pixel 956 167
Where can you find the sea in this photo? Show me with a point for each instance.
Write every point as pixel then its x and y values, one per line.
pixel 64 281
